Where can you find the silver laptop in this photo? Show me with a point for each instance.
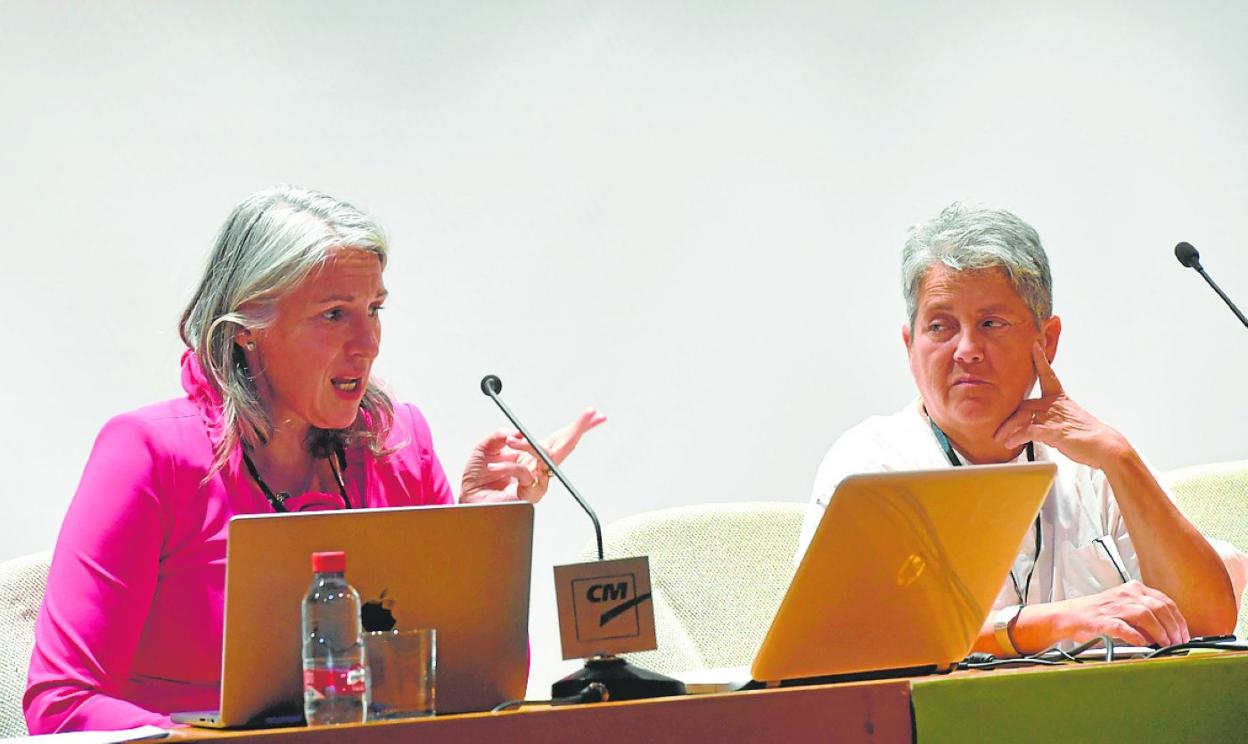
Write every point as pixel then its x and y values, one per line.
pixel 902 571
pixel 463 570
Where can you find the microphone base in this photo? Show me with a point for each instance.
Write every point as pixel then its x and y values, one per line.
pixel 622 680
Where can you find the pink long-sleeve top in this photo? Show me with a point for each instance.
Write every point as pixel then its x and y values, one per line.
pixel 131 624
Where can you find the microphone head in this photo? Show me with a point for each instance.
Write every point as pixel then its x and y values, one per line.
pixel 491 385
pixel 1187 255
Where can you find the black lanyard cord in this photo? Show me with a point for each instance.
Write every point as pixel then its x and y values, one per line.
pixel 955 461
pixel 337 460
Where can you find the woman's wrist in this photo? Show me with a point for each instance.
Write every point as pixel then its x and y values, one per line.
pixel 1003 622
pixel 1036 627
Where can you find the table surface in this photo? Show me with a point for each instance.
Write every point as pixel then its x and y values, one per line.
pixel 861 712
pixel 1199 698
pixel 1195 698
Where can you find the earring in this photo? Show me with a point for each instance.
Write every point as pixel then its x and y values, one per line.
pixel 251 346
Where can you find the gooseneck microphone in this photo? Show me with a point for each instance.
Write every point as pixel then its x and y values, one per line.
pixel 492 386
pixel 605 675
pixel 1190 257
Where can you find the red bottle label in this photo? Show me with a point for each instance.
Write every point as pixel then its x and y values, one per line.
pixel 349 681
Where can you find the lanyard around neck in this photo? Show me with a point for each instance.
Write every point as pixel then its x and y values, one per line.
pixel 952 455
pixel 955 461
pixel 337 461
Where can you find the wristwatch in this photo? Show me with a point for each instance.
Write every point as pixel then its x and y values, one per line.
pixel 1002 623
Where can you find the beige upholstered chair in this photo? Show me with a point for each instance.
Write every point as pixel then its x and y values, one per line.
pixel 1215 498
pixel 717 573
pixel 22 582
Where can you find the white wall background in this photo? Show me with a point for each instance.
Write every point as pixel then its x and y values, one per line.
pixel 686 214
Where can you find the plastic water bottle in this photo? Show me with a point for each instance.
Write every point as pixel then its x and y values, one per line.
pixel 335 672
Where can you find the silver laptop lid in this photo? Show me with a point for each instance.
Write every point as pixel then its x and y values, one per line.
pixel 464 570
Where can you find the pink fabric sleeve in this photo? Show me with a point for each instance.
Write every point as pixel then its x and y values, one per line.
pixel 436 489
pixel 100 589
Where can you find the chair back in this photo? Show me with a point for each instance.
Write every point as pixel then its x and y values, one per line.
pixel 719 571
pixel 1215 498
pixel 717 574
pixel 22 581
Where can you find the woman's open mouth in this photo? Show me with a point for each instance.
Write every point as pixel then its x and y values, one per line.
pixel 346 384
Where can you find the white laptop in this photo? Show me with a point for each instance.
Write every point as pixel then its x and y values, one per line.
pixel 463 570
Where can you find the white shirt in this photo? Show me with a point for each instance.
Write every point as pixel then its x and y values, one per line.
pixel 1085 548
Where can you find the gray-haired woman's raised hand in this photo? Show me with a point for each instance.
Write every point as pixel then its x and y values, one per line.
pixel 503 467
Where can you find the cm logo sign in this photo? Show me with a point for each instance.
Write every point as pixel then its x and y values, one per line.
pixel 607 592
pixel 606 607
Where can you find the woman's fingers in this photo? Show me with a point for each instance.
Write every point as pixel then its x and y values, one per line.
pixel 494 442
pixel 1149 612
pixel 561 443
pixel 1142 618
pixel 1018 427
pixel 1050 386
pixel 504 469
pixel 588 419
pixel 1123 631
pixel 505 466
pixel 534 491
pixel 1167 614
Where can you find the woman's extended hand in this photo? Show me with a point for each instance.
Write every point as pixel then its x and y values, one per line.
pixel 503 467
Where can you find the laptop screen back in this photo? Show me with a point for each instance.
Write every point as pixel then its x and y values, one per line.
pixel 902 570
pixel 463 570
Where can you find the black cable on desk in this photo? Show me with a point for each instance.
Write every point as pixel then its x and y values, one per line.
pixel 1181 647
pixel 988 661
pixel 516 704
pixel 594 692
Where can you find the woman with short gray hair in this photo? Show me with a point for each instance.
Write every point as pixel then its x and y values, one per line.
pixel 1109 553
pixel 965 238
pixel 281 414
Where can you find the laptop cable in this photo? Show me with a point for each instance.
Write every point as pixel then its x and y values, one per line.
pixel 594 692
pixel 1051 656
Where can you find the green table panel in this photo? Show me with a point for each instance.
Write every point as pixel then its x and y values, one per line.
pixel 1199 698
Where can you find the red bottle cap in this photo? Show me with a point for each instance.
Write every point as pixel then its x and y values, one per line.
pixel 331 562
